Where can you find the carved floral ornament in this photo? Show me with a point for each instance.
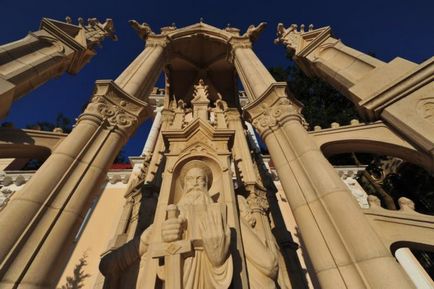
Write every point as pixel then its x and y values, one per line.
pixel 425 108
pixel 116 116
pixel 258 201
pixel 274 115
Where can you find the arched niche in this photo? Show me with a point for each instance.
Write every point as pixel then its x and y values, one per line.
pixel 216 189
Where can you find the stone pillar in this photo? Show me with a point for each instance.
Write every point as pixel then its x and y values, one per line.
pixel 399 92
pixel 253 74
pixel 47 53
pixel 139 77
pixel 241 152
pixel 252 137
pixel 153 133
pixel 50 207
pixel 326 213
pixel 414 270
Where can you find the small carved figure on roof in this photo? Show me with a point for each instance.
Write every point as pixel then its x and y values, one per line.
pixel 254 31
pixel 143 29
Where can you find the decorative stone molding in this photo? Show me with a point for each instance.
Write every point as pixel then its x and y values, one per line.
pixel 15 178
pixel 114 177
pixel 5 195
pixel 237 43
pixel 119 110
pixel 257 199
pixel 273 109
pixel 420 76
pixel 425 108
pixel 406 205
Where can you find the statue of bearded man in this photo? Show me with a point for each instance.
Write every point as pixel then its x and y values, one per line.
pixel 203 222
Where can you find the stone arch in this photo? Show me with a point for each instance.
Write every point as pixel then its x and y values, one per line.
pixel 377 147
pixel 412 244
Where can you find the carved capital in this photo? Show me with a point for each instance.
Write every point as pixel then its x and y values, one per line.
pixel 273 109
pixel 257 200
pixel 232 114
pixel 120 111
pixel 157 41
pixel 238 43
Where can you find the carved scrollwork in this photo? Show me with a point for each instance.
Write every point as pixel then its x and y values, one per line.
pixel 258 201
pixel 115 115
pixel 425 108
pixel 5 195
pixel 276 114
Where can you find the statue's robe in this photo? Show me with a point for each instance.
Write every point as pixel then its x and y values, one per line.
pixel 198 271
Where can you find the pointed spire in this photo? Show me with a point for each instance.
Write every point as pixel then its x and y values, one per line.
pixel 200 101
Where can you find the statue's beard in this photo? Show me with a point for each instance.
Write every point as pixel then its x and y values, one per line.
pixel 195 190
pixel 195 195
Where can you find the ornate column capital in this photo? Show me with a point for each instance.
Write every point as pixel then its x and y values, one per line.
pixel 157 41
pixel 232 114
pixel 237 42
pixel 257 199
pixel 145 32
pixel 120 111
pixel 273 108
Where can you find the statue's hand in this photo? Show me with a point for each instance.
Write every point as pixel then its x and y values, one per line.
pixel 216 237
pixel 171 229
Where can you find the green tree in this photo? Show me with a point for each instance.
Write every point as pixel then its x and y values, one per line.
pixel 77 280
pixel 322 103
pixel 62 121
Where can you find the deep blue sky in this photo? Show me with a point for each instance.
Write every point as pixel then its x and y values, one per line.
pixel 386 28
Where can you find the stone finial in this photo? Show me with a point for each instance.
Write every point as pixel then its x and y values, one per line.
pixel 58 130
pixel 334 125
pixel 80 21
pixel 167 29
pixel 200 101
pixel 317 128
pixel 253 31
pixel 374 201
pixel 200 92
pixel 354 122
pixel 144 30
pixel 96 31
pixel 295 40
pixel 406 205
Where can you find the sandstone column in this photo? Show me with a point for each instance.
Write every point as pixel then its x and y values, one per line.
pixel 345 251
pixel 153 133
pixel 50 207
pixel 399 92
pixel 414 269
pixel 47 53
